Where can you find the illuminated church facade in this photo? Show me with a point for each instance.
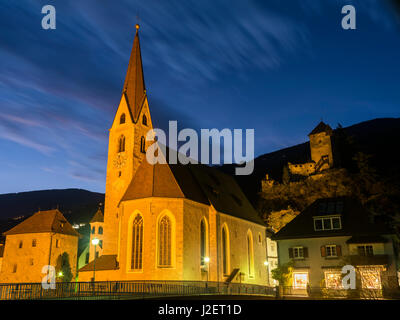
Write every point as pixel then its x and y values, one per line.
pixel 170 221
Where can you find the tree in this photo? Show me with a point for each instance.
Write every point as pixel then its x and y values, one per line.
pixel 283 273
pixel 63 268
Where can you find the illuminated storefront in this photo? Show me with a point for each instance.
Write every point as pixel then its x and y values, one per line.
pixel 333 280
pixel 300 280
pixel 370 278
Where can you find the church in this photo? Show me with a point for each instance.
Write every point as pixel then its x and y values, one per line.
pixel 169 221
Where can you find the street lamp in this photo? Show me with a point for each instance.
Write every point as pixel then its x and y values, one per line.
pixel 266 264
pixel 207 261
pixel 95 242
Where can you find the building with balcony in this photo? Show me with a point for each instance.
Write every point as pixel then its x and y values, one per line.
pixel 332 233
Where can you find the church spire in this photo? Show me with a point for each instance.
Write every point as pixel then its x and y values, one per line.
pixel 134 88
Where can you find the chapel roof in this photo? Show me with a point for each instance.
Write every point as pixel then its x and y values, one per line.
pixel 44 221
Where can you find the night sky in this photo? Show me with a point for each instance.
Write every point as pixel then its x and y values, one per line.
pixel 276 66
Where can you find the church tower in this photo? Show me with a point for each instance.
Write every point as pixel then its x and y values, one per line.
pixel 127 144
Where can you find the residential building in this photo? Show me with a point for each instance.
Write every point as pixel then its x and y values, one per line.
pixel 334 232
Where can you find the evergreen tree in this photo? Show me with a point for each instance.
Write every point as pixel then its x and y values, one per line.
pixel 63 268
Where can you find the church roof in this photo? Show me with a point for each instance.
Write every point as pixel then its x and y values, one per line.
pixel 98 217
pixel 196 182
pixel 104 262
pixel 134 89
pixel 321 127
pixel 44 221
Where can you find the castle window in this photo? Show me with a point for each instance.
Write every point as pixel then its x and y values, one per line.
pixel 225 250
pixel 14 268
pixel 250 254
pixel 122 119
pixel 165 242
pixel 100 230
pixel 20 244
pixel 121 144
pixel 137 243
pixel 203 241
pixel 34 243
pixel 144 120
pixel 142 145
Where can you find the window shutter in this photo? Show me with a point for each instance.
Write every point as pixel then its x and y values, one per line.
pixel 290 252
pixel 305 252
pixel 323 251
pixel 338 251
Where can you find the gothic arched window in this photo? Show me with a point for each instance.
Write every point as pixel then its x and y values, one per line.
pixel 100 230
pixel 250 254
pixel 142 145
pixel 122 119
pixel 203 241
pixel 137 243
pixel 144 120
pixel 121 144
pixel 225 250
pixel 165 242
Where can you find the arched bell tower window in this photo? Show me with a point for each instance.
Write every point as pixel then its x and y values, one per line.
pixel 121 144
pixel 144 120
pixel 122 119
pixel 142 145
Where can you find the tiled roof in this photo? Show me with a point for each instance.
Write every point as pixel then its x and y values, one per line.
pixel 44 221
pixel 98 217
pixel 196 182
pixel 355 220
pixel 367 239
pixel 104 262
pixel 321 127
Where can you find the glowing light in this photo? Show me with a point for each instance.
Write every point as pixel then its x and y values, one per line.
pixel 60 274
pixel 95 241
pixel 206 259
pixel 266 263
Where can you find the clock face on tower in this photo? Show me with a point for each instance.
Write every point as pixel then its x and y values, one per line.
pixel 119 161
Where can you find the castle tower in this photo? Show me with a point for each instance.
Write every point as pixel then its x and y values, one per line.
pixel 321 146
pixel 96 231
pixel 127 144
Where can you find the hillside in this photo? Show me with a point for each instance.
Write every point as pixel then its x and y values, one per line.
pixel 378 138
pixel 77 205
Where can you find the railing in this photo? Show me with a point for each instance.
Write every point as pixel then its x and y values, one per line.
pixel 331 293
pixel 127 290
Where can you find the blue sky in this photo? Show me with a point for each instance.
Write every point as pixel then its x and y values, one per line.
pixel 276 68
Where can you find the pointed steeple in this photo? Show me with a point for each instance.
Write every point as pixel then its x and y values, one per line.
pixel 134 89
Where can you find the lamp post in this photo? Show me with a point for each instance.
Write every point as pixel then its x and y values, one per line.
pixel 266 264
pixel 95 242
pixel 207 261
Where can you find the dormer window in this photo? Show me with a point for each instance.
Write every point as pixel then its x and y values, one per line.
pixel 327 223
